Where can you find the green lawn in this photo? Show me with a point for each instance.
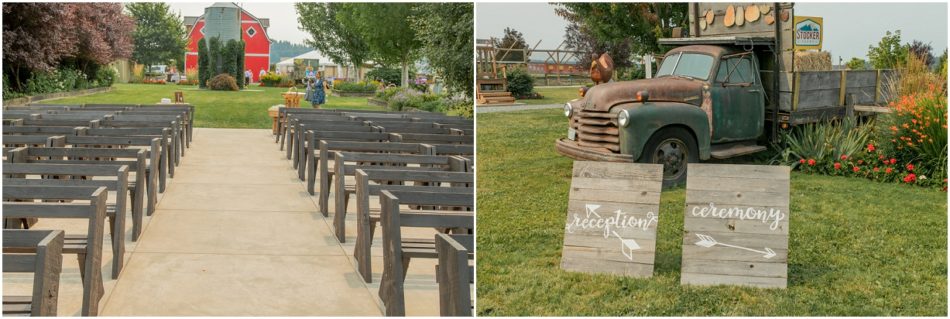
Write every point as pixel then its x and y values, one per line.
pixel 243 109
pixel 553 95
pixel 857 247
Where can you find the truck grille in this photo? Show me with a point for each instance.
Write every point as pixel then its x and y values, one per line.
pixel 596 129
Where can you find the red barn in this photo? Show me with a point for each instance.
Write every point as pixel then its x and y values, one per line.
pixel 221 19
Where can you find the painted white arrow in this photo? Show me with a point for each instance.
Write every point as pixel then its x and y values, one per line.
pixel 630 244
pixel 707 241
pixel 592 209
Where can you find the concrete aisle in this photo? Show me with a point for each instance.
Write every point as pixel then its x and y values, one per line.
pixel 237 234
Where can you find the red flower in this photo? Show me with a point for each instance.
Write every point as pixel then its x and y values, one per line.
pixel 870 147
pixel 910 167
pixel 856 169
pixel 876 169
pixel 888 170
pixel 837 166
pixel 880 157
pixel 844 157
pixel 801 161
pixel 910 178
pixel 893 161
pixel 860 162
pixel 811 162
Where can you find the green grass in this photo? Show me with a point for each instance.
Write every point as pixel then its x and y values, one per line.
pixel 857 247
pixel 553 95
pixel 242 109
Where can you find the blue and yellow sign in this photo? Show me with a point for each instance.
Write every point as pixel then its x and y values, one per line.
pixel 808 33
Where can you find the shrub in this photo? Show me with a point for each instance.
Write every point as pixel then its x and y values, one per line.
pixel 105 76
pixel 520 82
pixel 387 93
pixel 824 141
pixel 388 75
pixel 271 79
pixel 354 87
pixel 223 82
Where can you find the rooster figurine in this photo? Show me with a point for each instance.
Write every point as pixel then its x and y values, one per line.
pixel 601 68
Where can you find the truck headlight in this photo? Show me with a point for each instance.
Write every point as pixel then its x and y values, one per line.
pixel 568 110
pixel 623 118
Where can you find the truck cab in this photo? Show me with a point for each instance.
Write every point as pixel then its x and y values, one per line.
pixel 705 101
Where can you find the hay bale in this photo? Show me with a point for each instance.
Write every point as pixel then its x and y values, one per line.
pixel 812 61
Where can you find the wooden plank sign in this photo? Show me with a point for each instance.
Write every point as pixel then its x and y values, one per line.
pixel 736 225
pixel 612 213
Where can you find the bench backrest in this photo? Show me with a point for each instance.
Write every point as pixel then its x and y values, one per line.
pixel 18 203
pixel 39 252
pixel 435 138
pixel 454 274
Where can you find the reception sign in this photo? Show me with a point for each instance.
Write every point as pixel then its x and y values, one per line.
pixel 612 216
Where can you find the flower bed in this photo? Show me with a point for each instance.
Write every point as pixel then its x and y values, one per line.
pixel 908 146
pixel 399 99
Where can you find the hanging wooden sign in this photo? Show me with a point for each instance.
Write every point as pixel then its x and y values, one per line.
pixel 612 214
pixel 736 225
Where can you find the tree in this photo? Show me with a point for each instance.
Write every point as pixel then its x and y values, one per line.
pixel 160 35
pixel 640 24
pixel 36 36
pixel 104 33
pixel 513 40
pixel 578 38
pixel 857 64
pixel 339 41
pixel 40 37
pixel 889 53
pixel 384 29
pixel 445 31
pixel 923 51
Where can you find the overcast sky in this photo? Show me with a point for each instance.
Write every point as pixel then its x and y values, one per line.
pixel 849 27
pixel 282 15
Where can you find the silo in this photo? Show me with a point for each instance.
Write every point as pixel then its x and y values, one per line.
pixel 223 19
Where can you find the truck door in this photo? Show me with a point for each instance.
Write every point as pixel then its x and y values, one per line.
pixel 738 100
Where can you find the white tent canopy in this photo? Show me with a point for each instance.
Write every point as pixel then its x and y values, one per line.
pixel 287 65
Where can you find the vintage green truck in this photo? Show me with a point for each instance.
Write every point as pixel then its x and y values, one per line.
pixel 714 96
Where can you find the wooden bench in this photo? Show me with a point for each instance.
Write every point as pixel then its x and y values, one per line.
pixel 87 247
pixel 326 147
pixel 399 162
pixel 454 274
pixel 283 118
pixel 157 168
pixel 170 121
pixel 91 175
pixel 305 139
pixel 326 175
pixel 39 252
pixel 164 133
pixel 60 122
pixel 384 179
pixel 295 135
pixel 39 130
pixel 398 251
pixel 432 138
pixel 314 137
pixel 142 197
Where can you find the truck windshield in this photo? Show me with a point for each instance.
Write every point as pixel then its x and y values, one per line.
pixel 694 65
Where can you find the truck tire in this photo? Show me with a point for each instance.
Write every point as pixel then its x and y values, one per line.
pixel 674 147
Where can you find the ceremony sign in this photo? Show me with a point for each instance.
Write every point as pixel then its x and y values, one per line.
pixel 736 225
pixel 612 215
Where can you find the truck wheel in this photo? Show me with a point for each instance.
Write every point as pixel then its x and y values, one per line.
pixel 673 147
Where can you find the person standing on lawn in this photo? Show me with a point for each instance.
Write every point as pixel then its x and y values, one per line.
pixel 316 91
pixel 247 77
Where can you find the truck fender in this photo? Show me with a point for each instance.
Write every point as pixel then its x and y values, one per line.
pixel 648 118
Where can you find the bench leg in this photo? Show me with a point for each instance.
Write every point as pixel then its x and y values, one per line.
pixel 325 195
pixel 312 174
pixel 81 257
pixel 136 194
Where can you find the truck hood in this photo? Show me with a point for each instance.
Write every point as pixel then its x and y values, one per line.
pixel 666 89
